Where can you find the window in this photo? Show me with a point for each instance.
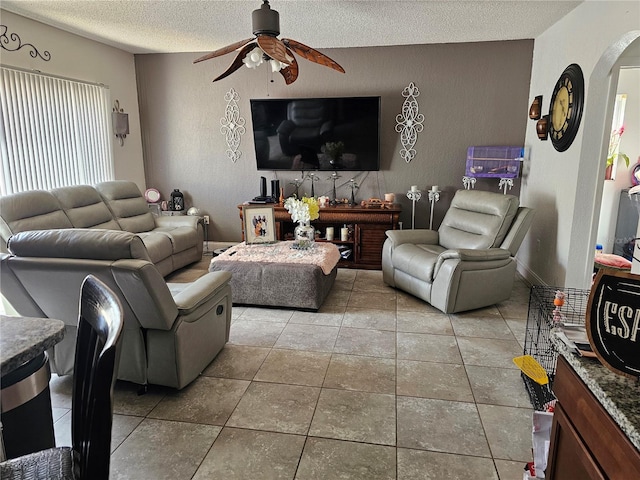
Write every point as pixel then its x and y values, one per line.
pixel 54 132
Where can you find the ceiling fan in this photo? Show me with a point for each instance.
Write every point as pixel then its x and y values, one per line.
pixel 266 46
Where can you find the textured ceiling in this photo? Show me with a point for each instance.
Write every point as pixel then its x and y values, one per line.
pixel 164 26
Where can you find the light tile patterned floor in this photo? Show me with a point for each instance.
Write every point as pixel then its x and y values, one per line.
pixel 376 385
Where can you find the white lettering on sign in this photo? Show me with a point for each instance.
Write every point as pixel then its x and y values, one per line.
pixel 621 321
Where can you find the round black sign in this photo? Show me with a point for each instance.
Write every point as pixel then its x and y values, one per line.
pixel 613 320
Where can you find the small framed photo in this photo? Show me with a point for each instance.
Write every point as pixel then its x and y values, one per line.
pixel 259 224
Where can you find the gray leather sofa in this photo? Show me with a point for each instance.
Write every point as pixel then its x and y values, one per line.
pixel 172 242
pixel 469 262
pixel 171 332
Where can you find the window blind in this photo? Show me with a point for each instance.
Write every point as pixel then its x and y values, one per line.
pixel 54 132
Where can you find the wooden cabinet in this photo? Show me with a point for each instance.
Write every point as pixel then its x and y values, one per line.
pixel 367 227
pixel 570 458
pixel 370 238
pixel 586 443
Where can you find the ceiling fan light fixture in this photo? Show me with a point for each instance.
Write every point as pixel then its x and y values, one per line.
pixel 277 65
pixel 254 58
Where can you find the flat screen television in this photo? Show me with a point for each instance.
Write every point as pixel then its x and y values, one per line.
pixel 317 133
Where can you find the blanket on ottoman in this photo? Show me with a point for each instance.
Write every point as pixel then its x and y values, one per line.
pixel 277 275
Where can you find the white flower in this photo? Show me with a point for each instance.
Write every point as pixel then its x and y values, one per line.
pixel 298 210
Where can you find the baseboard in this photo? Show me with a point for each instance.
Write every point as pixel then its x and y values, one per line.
pixel 210 247
pixel 529 276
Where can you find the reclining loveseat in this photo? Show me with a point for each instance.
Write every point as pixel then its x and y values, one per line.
pixel 171 331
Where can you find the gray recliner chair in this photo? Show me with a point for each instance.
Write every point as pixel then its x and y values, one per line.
pixel 468 262
pixel 171 331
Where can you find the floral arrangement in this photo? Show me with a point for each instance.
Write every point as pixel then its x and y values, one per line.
pixel 302 210
pixel 614 144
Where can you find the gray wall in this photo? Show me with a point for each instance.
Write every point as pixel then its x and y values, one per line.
pixel 566 187
pixel 470 94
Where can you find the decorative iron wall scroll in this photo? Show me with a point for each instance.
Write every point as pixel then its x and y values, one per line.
pixel 12 43
pixel 409 122
pixel 232 125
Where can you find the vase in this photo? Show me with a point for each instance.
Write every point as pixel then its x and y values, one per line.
pixel 304 235
pixel 608 173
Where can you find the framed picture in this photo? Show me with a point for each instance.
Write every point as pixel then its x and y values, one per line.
pixel 259 224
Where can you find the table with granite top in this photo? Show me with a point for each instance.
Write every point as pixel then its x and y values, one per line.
pixel 25 413
pixel 24 338
pixel 596 422
pixel 619 395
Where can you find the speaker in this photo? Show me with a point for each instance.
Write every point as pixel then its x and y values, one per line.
pixel 275 190
pixel 263 187
pixel 263 198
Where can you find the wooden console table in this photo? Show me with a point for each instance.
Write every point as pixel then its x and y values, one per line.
pixel 366 231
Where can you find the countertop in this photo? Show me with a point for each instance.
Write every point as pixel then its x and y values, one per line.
pixel 619 395
pixel 24 338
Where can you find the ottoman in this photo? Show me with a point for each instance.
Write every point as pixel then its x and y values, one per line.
pixel 278 276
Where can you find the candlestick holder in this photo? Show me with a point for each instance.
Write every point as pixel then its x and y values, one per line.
pixel 354 186
pixel 434 196
pixel 296 183
pixel 313 179
pixel 505 183
pixel 469 182
pixel 334 176
pixel 414 196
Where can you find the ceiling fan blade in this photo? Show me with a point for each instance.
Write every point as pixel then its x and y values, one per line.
pixel 290 73
pixel 224 50
pixel 237 62
pixel 274 48
pixel 311 54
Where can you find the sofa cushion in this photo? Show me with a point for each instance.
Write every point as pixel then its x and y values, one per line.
pixel 90 244
pixel 477 220
pixel 417 260
pixel 127 205
pixel 32 210
pixel 158 246
pixel 85 208
pixel 182 238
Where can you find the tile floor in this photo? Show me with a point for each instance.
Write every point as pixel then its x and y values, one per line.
pixel 375 385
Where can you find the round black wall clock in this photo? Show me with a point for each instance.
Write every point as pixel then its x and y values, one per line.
pixel 566 107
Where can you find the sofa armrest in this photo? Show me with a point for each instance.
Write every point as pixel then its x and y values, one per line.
pixel 177 221
pixel 471 255
pixel 424 236
pixel 201 291
pixel 475 255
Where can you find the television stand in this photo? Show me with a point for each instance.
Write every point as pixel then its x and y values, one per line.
pixel 367 227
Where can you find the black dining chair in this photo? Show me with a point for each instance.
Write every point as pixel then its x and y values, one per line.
pixel 96 365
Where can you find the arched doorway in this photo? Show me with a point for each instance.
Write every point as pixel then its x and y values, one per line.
pixel 595 141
